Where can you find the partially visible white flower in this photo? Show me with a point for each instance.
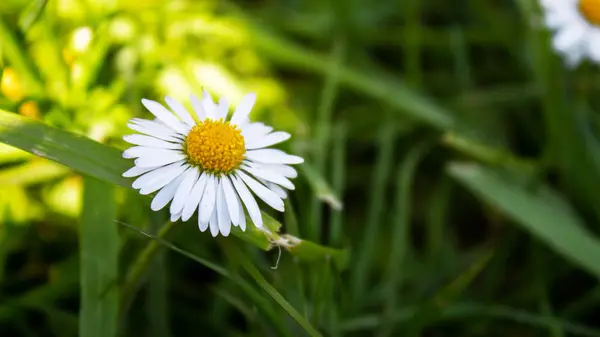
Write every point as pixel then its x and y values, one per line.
pixel 209 163
pixel 576 26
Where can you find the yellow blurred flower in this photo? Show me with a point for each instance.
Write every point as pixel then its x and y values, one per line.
pixel 29 109
pixel 10 86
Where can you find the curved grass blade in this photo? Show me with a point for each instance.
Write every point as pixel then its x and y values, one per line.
pixel 247 264
pixel 466 311
pixel 542 212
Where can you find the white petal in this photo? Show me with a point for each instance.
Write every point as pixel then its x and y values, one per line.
pixel 175 217
pixel 232 200
pixel 569 37
pixel 150 142
pixel 252 131
pixel 136 171
pixel 139 151
pixel 198 108
pixel 195 196
pixel 268 196
pixel 162 198
pixel 272 176
pixel 248 200
pixel 243 109
pixel 273 156
pixel 207 204
pixel 222 211
pixel 277 189
pixel 594 45
pixel 223 108
pixel 209 106
pixel 160 158
pixel 242 223
pixel 180 111
pixel 153 129
pixel 157 174
pixel 268 140
pixel 162 181
pixel 183 192
pixel 284 170
pixel 214 223
pixel 203 226
pixel 130 154
pixel 164 115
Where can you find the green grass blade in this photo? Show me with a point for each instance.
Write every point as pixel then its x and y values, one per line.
pixel 480 311
pixel 320 187
pixel 157 295
pixel 400 242
pixel 365 253
pixel 247 264
pixel 542 212
pixel 75 151
pixel 31 14
pixel 16 54
pixel 323 131
pixel 99 261
pixel 338 177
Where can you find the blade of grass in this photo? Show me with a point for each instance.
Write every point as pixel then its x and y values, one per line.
pixel 140 267
pixel 323 131
pixel 466 311
pixel 31 14
pixel 366 251
pixel 241 258
pixel 99 241
pixel 157 306
pixel 566 144
pixel 320 187
pixel 400 242
pixel 338 176
pixel 542 212
pixel 18 58
pixel 412 64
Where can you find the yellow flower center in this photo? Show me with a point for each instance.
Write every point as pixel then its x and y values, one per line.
pixel 216 146
pixel 590 9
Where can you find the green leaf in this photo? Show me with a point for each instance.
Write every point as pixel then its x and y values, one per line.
pixel 320 187
pixel 75 151
pixel 105 163
pixel 542 212
pixel 99 261
pixel 31 14
pixel 17 56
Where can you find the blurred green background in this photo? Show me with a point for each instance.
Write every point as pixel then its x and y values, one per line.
pixel 452 175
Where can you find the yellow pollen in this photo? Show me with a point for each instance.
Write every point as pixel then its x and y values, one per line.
pixel 590 9
pixel 216 146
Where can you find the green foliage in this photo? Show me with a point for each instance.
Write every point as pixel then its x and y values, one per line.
pixel 450 185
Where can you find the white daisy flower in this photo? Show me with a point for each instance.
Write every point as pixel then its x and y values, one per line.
pixel 209 163
pixel 576 26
